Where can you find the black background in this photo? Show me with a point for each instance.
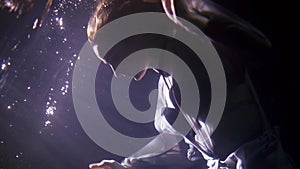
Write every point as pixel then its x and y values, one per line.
pixel 277 81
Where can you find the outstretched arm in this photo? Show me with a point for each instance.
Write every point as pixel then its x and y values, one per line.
pixel 107 164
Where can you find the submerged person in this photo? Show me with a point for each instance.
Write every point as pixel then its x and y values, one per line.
pixel 244 137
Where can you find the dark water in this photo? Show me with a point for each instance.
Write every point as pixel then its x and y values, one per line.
pixel 38 125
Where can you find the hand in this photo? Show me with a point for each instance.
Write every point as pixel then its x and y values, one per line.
pixel 107 164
